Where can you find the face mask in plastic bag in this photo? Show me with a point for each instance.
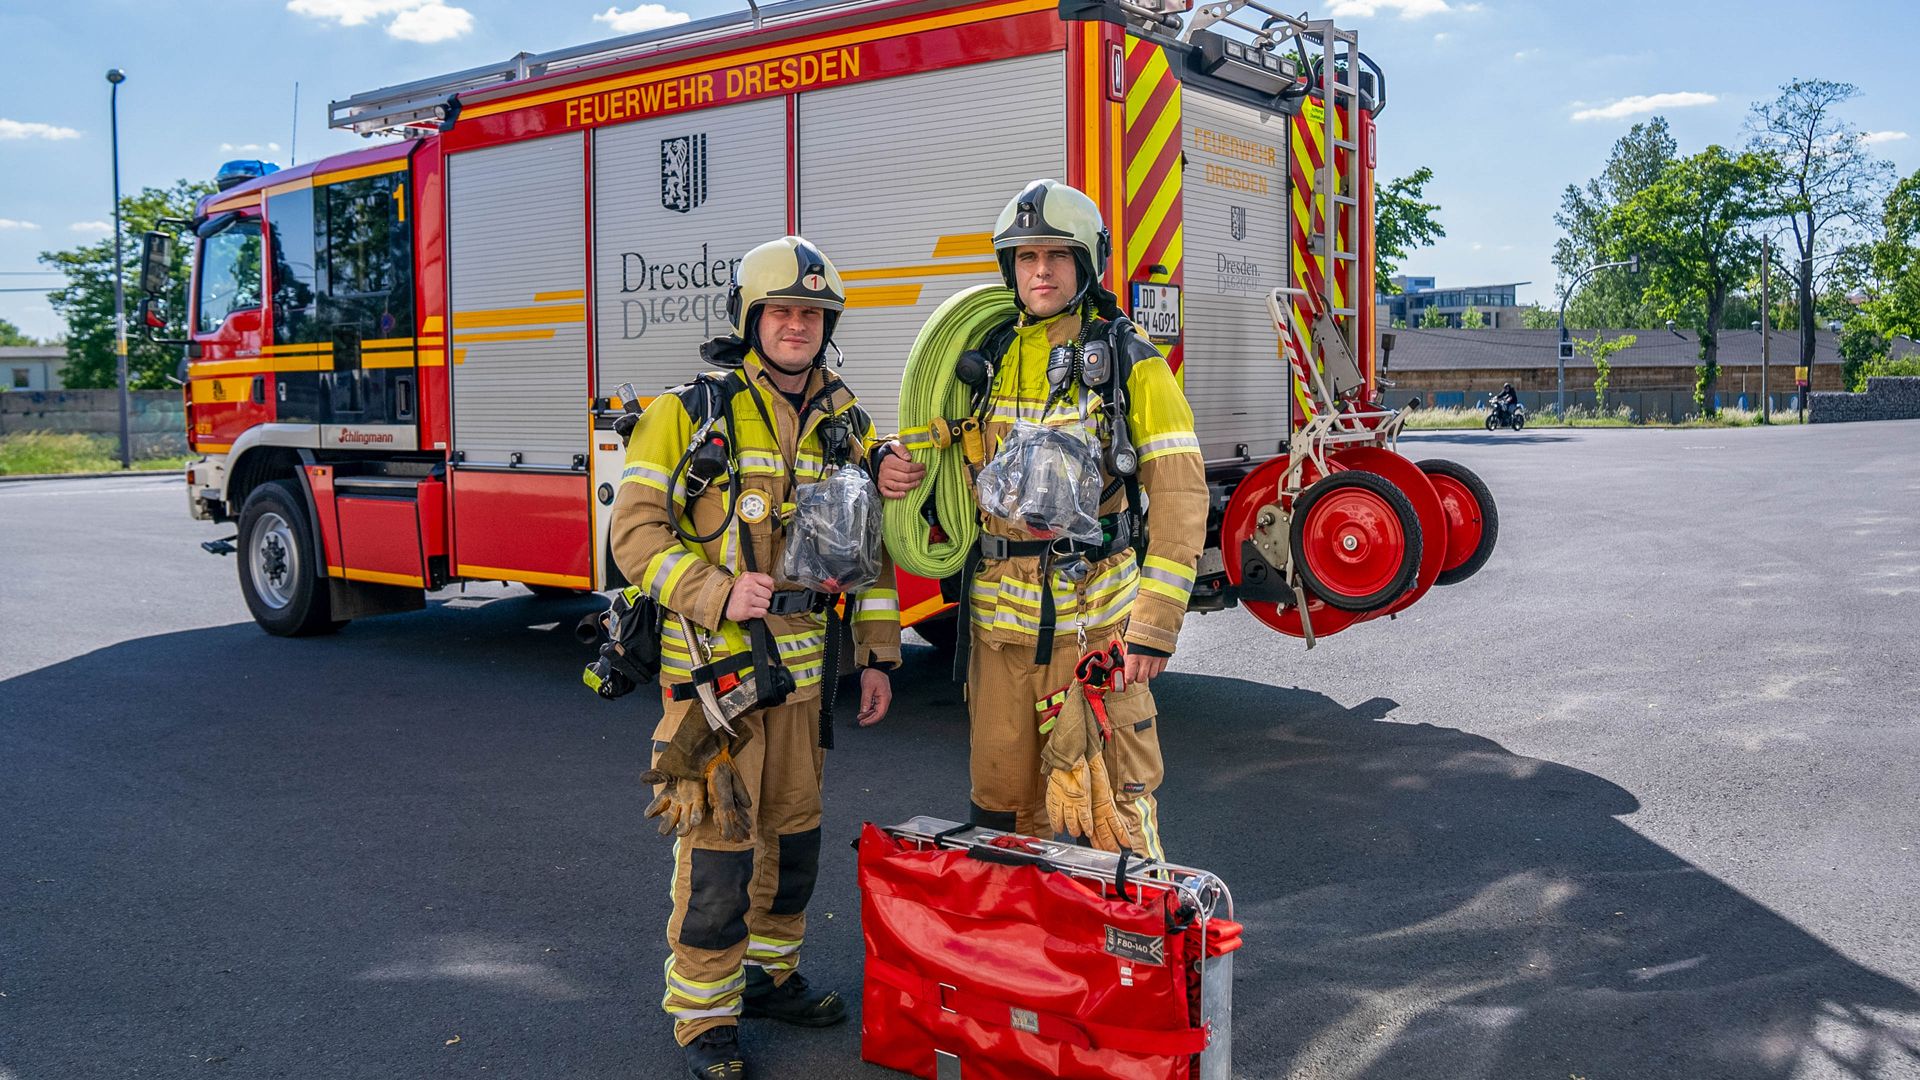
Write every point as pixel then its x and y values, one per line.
pixel 1047 479
pixel 833 542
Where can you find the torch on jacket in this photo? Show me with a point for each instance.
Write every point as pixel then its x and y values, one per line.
pixel 1150 592
pixel 693 579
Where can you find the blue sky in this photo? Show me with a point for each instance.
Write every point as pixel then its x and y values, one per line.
pixel 1507 101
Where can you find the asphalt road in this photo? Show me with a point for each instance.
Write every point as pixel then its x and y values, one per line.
pixel 1641 800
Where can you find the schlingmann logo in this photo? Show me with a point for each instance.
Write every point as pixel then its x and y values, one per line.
pixel 348 435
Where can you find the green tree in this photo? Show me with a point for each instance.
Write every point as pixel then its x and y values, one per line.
pixel 1699 218
pixel 1600 353
pixel 86 301
pixel 11 335
pixel 1473 319
pixel 1402 223
pixel 1893 287
pixel 1828 186
pixel 1535 317
pixel 1431 318
pixel 1589 233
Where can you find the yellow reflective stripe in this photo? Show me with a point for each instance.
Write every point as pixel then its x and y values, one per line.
pixel 1150 825
pixel 664 576
pixel 1174 442
pixel 1172 571
pixel 696 990
pixel 1167 578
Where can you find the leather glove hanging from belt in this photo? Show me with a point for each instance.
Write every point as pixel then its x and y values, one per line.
pixel 1079 792
pixel 698 779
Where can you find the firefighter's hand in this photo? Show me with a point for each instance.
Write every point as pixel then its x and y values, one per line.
pixel 876 696
pixel 899 473
pixel 1141 669
pixel 750 596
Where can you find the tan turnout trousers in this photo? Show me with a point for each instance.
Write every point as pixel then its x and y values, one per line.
pixel 1006 693
pixel 745 903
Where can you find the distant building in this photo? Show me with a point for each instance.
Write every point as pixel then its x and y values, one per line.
pixel 1417 294
pixel 32 367
pixel 1464 367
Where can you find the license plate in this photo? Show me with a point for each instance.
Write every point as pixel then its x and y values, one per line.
pixel 1156 309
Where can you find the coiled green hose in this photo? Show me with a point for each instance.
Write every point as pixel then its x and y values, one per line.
pixel 929 390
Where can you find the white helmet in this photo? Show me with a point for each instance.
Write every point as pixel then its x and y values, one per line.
pixel 789 270
pixel 1049 213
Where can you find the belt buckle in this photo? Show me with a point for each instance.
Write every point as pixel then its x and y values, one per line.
pixel 993 547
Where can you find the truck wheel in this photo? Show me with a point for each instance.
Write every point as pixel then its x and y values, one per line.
pixel 278 561
pixel 941 631
pixel 554 592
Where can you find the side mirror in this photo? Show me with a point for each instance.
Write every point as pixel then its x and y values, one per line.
pixel 153 321
pixel 156 263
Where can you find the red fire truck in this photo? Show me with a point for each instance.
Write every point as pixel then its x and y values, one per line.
pixel 403 362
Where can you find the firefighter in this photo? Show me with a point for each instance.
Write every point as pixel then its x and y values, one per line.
pixel 1035 604
pixel 702 522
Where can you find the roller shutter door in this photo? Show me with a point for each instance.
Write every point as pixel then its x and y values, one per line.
pixel 1235 200
pixel 677 202
pixel 900 183
pixel 517 289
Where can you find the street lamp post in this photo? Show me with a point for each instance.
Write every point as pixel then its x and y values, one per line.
pixel 1632 263
pixel 115 76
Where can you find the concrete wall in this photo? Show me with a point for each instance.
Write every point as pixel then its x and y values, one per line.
pixel 1887 398
pixel 157 417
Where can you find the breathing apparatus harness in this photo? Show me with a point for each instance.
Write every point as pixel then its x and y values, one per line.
pixel 734 685
pixel 1101 361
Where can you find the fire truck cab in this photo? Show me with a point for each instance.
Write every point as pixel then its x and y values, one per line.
pixel 403 362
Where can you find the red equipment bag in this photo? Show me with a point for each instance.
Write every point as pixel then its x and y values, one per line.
pixel 992 956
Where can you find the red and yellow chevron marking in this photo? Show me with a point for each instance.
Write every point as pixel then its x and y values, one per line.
pixel 1307 217
pixel 1151 142
pixel 1093 125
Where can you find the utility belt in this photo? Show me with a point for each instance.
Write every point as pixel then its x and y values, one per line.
pixel 1118 533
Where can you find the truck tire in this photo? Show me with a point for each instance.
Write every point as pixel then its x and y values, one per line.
pixel 942 632
pixel 279 564
pixel 555 592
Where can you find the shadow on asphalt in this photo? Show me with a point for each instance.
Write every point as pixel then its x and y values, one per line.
pixel 335 856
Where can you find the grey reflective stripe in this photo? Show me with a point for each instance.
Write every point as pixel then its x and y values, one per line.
pixel 1169 442
pixel 633 472
pixel 694 993
pixel 759 461
pixel 668 560
pixel 1184 584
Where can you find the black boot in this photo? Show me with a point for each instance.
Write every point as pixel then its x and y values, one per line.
pixel 793 1001
pixel 714 1054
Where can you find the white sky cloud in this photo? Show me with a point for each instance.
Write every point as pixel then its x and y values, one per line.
pixel 9 223
pixel 249 147
pixel 431 22
pixel 1526 54
pixel 1441 37
pixel 1406 9
pixel 642 17
pixel 424 21
pixel 1641 104
pixel 27 129
pixel 1872 137
pixel 101 228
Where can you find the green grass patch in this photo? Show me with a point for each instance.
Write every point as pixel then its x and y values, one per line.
pixel 1580 416
pixel 34 453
